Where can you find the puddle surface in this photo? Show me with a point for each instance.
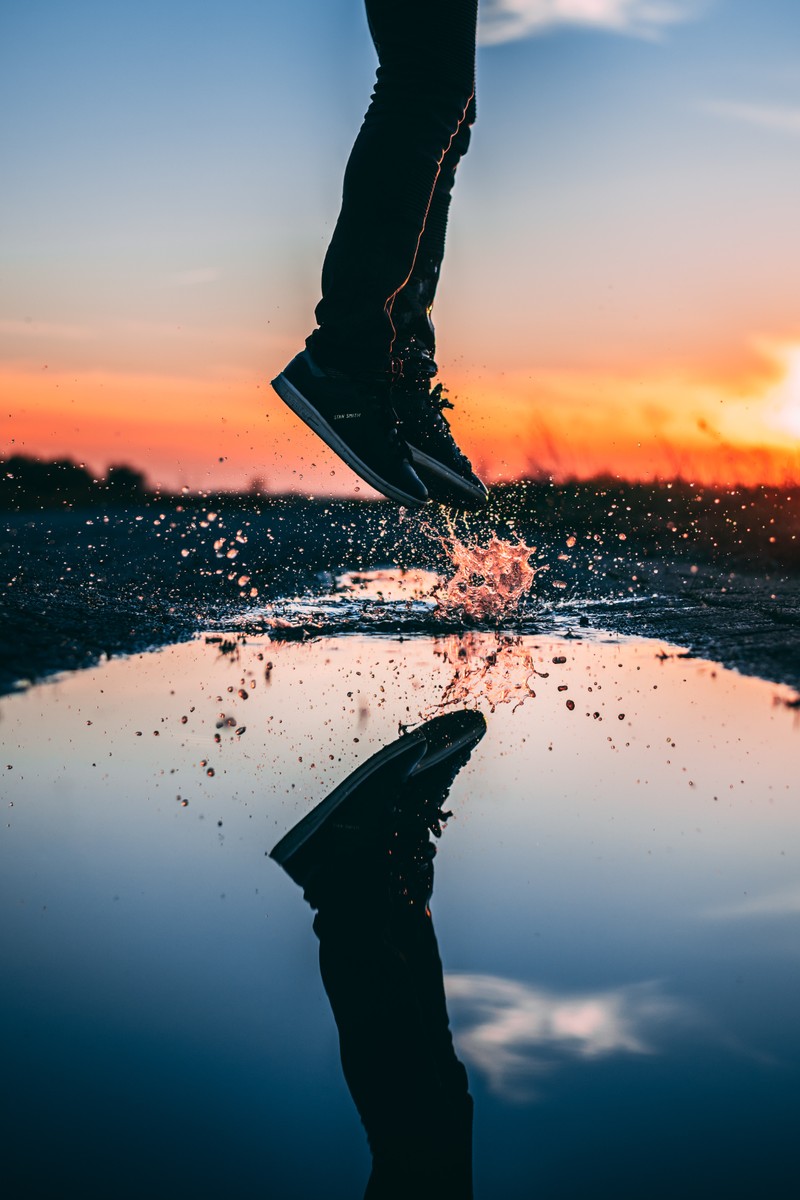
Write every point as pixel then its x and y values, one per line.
pixel 616 903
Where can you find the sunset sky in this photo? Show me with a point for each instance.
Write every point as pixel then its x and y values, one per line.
pixel 621 285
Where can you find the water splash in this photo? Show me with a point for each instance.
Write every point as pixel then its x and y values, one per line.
pixel 488 587
pixel 482 586
pixel 489 583
pixel 487 670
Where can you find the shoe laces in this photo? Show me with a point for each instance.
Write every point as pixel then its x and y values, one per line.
pixel 413 374
pixel 415 364
pixel 438 400
pixel 426 813
pixel 416 372
pixel 380 395
pixel 436 820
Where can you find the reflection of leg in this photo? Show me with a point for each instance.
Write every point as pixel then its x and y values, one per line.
pixel 425 84
pixel 364 859
pixel 384 981
pixel 411 313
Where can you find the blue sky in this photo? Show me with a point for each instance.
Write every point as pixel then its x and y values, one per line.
pixel 173 174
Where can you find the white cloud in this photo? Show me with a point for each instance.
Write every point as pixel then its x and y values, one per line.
pixel 510 20
pixel 783 119
pixel 513 1032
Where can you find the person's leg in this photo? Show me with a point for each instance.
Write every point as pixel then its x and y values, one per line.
pixel 444 469
pixel 420 105
pixel 395 199
pixel 411 312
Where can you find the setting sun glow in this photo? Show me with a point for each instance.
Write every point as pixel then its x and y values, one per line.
pixel 783 407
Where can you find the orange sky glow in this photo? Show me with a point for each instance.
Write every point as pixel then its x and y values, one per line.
pixel 717 427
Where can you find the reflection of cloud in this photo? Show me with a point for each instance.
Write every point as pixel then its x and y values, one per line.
pixel 510 20
pixel 785 903
pixel 513 1032
pixel 778 117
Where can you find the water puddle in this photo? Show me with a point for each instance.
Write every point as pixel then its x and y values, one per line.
pixel 615 902
pixel 487 587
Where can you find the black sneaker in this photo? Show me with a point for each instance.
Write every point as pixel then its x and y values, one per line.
pixel 377 820
pixel 446 472
pixel 356 420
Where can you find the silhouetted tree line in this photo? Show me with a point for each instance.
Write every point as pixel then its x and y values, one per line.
pixel 673 518
pixel 28 484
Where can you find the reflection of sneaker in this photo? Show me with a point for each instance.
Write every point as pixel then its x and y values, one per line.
pixel 355 418
pixel 378 818
pixel 446 472
pixel 449 742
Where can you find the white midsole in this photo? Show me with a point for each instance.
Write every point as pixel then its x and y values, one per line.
pixel 420 459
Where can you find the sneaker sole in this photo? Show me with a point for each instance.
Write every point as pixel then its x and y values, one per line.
pixel 311 416
pixel 431 758
pixel 433 467
pixel 300 833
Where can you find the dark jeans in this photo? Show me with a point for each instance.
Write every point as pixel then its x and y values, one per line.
pixel 382 267
pixel 381 969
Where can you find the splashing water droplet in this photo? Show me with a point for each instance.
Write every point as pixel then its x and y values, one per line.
pixel 488 582
pixel 503 675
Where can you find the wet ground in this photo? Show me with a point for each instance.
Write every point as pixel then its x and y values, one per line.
pixel 615 899
pixel 81 586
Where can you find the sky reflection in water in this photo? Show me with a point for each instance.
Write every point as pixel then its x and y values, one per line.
pixel 616 905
